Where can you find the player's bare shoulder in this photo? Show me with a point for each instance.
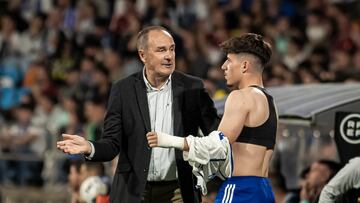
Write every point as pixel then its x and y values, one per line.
pixel 256 94
pixel 237 95
pixel 240 99
pixel 248 94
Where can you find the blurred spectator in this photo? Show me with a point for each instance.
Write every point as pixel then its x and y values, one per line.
pixel 113 63
pixel 315 178
pixel 341 61
pixel 85 20
pixel 279 74
pixel 101 31
pixel 22 137
pixel 64 60
pixel 74 180
pixel 74 125
pixel 92 47
pixel 294 54
pixel 73 86
pixel 10 44
pixel 94 112
pixel 54 35
pixel 343 39
pixel 306 75
pixel 317 30
pixel 195 61
pixel 68 16
pixel 49 115
pixel 280 33
pixel 101 85
pixel 87 69
pixel 94 185
pixel 33 40
pixel 19 13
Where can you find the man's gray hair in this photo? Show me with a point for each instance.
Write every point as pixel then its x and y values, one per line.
pixel 142 38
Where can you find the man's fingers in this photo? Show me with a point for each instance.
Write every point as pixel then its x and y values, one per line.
pixel 66 139
pixel 68 136
pixel 61 143
pixel 65 143
pixel 153 144
pixel 70 150
pixel 152 141
pixel 151 134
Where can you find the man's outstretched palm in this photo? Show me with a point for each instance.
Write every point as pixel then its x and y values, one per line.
pixel 74 144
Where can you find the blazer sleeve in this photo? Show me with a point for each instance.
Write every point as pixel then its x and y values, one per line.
pixel 209 119
pixel 108 146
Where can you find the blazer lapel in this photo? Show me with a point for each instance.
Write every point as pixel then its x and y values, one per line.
pixel 178 93
pixel 142 101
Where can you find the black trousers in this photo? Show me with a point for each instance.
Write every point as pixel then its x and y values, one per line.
pixel 162 192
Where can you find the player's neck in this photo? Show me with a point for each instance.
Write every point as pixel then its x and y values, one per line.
pixel 251 81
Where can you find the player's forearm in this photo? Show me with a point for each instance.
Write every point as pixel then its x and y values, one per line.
pixel 169 141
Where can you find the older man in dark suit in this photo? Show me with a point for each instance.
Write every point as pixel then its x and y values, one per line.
pixel 155 99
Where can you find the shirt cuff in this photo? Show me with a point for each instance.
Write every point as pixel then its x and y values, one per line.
pixel 92 152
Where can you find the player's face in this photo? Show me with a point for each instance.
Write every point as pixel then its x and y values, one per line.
pixel 232 70
pixel 159 56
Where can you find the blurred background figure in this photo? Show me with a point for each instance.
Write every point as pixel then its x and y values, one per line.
pixel 314 179
pixel 23 138
pixel 95 185
pixel 74 180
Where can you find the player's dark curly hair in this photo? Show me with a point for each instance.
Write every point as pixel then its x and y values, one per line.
pixel 248 43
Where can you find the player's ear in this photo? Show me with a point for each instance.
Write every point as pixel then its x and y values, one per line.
pixel 245 66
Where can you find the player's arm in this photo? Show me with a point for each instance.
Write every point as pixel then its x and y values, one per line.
pixel 237 108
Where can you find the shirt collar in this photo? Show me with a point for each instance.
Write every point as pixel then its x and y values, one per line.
pixel 150 88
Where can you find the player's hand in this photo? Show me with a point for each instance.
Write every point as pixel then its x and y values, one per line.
pixel 152 138
pixel 74 144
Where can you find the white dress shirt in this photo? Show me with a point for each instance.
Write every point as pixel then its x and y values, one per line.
pixel 162 163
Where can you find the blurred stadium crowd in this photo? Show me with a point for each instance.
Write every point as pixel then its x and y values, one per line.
pixel 58 59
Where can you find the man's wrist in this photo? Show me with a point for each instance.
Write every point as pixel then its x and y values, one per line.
pixel 89 148
pixel 90 154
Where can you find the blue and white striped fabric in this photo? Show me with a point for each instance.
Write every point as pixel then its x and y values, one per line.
pixel 249 189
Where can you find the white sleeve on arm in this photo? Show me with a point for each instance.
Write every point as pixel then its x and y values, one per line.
pixel 168 141
pixel 209 156
pixel 91 155
pixel 347 178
